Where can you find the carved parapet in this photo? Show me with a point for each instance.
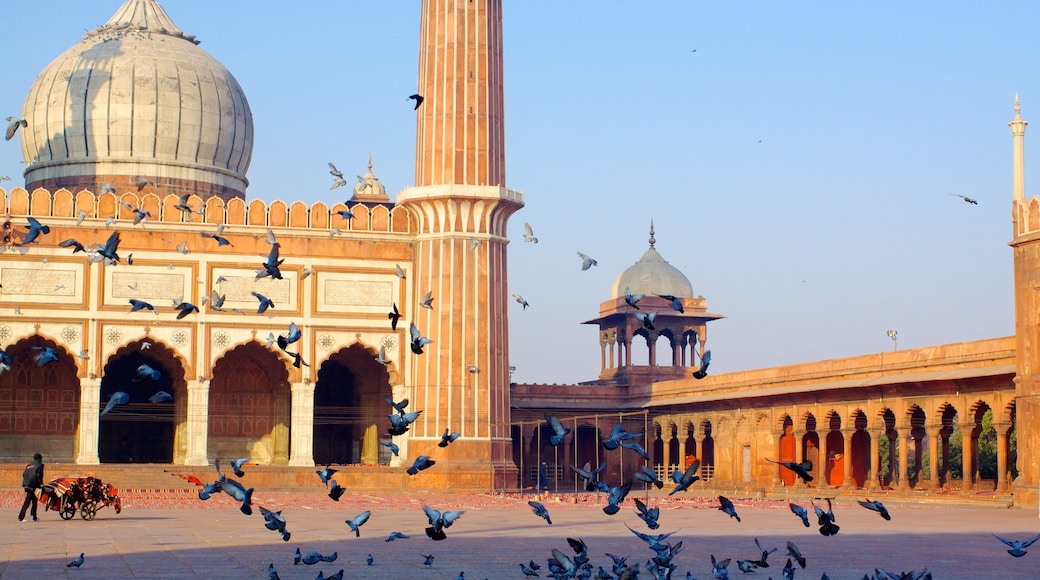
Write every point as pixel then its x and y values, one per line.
pixel 465 209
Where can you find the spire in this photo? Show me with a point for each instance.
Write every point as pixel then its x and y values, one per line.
pixel 1018 131
pixel 140 16
pixel 652 240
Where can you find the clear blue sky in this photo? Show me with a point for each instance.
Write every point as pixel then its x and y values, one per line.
pixel 798 166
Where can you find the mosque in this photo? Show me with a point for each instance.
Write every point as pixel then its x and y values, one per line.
pixel 137 121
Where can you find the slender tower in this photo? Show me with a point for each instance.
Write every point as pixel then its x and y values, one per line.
pixel 461 206
pixel 1026 249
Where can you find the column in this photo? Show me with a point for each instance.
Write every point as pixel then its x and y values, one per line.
pixel 89 419
pixel 847 459
pixel 197 423
pixel 301 424
pixel 1002 470
pixel 934 432
pixel 682 450
pixel 903 441
pixel 967 456
pixel 823 481
pixel 874 481
pixel 651 347
pixel 627 342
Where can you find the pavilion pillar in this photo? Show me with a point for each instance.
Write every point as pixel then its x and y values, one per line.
pixel 1002 452
pixel 846 459
pixel 934 432
pixel 651 347
pixel 903 442
pixel 967 456
pixel 89 421
pixel 197 423
pixel 874 480
pixel 301 424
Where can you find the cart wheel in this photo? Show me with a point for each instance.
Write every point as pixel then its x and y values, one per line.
pixel 88 511
pixel 67 510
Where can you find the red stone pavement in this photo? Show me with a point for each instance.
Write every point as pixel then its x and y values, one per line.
pixel 176 535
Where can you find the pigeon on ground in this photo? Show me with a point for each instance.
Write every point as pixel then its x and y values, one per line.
pixel 427 559
pixel 527 571
pixel 369 559
pixel 878 507
pixel 800 512
pixel 801 469
pixel 746 566
pixel 272 573
pixel 718 568
pixel 76 562
pixel 439 521
pixel 726 507
pixel 540 511
pixel 703 370
pixel 421 463
pixel 357 521
pixel 559 431
pixel 1018 546
pixel 685 479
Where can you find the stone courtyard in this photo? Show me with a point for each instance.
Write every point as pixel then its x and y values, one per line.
pixel 178 536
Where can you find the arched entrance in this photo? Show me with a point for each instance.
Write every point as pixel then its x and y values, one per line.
pixel 811 448
pixel 249 406
pixel 707 453
pixel 141 431
pixel 788 452
pixel 860 451
pixel 350 411
pixel 39 406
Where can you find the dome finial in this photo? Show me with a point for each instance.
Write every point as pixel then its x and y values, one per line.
pixel 370 163
pixel 652 240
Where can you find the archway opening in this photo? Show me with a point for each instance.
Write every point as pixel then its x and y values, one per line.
pixel 140 431
pixel 350 411
pixel 249 406
pixel 860 451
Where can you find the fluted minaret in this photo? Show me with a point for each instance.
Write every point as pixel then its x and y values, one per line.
pixel 461 207
pixel 1026 250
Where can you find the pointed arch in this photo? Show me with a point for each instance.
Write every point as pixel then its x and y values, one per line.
pixel 350 414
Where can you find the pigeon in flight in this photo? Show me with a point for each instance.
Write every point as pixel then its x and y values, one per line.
pixel 684 480
pixel 825 519
pixel 265 303
pixel 46 355
pixel 428 559
pixel 418 340
pixel 439 521
pixel 703 370
pixel 35 229
pixel 381 358
pixel 336 490
pixel 221 240
pixel 77 561
pixel 418 100
pixel 75 245
pixel 398 271
pixel 675 302
pixel 326 474
pixel 396 536
pixel 586 262
pixel 648 515
pixel 726 507
pixel 878 507
pixel 394 315
pixel 293 335
pixel 795 554
pixel 143 183
pixel 632 299
pixel 540 511
pixel 718 567
pixel 559 431
pixel 801 469
pixel 110 249
pixel 186 308
pixel 448 437
pixel 275 521
pixel 591 477
pixel 529 234
pixel 647 318
pixel 427 301
pixel 145 373
pixel 615 496
pixel 637 448
pixel 117 398
pixel 763 561
pixel 800 512
pixel 394 449
pixel 160 397
pixel 136 305
pixel 5 361
pixel 421 463
pixel 13 124
pixel 271 266
pixel 357 521
pixel 966 198
pixel 647 475
pixel 1018 546
pixel 239 493
pixel 617 436
pixel 339 181
pixel 346 214
pixel 520 300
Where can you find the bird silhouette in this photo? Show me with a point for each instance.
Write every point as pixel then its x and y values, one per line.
pixel 1018 546
pixel 878 507
pixel 418 100
pixel 421 463
pixel 13 124
pixel 418 340
pixel 110 249
pixel 427 301
pixel 684 480
pixel 336 490
pixel 703 370
pixel 801 469
pixel 726 507
pixel 394 315
pixel 586 262
pixel 529 234
pixel 265 303
pixel 186 308
pixel 800 512
pixel 559 431
pixel 35 229
pixel 439 521
pixel 966 198
pixel 540 511
pixel 292 336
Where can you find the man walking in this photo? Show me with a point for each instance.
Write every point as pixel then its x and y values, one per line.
pixel 32 479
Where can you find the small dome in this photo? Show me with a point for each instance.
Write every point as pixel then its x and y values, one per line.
pixel 137 98
pixel 651 275
pixel 368 188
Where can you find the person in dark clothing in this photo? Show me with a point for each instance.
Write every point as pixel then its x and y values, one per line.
pixel 32 479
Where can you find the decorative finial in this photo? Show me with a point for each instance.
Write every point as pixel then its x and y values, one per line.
pixel 370 162
pixel 652 240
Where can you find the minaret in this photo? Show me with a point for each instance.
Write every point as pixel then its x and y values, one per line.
pixel 461 208
pixel 1026 250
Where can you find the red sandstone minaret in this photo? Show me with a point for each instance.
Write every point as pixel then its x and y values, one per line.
pixel 462 206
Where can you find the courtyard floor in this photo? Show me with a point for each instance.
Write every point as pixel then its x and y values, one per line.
pixel 180 536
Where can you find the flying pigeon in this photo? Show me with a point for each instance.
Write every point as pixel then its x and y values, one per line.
pixel 418 341
pixel 591 477
pixel 705 361
pixel 143 183
pixel 398 271
pixel 427 301
pixel 108 251
pixel 801 469
pixel 448 437
pixel 46 355
pixel 326 474
pixel 763 561
pixel 439 521
pixel 221 240
pixel 726 507
pixel 136 305
pixel 186 308
pixel 293 335
pixel 238 493
pixel 5 361
pixel 117 398
pixel 1018 546
pixel 795 554
pixel 146 373
pixel 529 234
pixel 648 515
pixel 617 435
pixel 35 229
pixel 520 300
pixel 422 462
pixel 236 466
pixel 966 198
pixel 339 181
pixel 637 448
pixel 647 475
pixel 265 303
pixel 540 511
pixel 615 496
pixel 428 559
pixel 675 302
pixel 418 100
pixel 297 359
pixel 633 299
pixel 396 536
pixel 586 262
pixel 878 507
pixel 75 245
pixel 394 315
pixel 381 357
pixel 160 397
pixel 718 567
pixel 275 521
pixel 13 123
pixel 357 521
pixel 559 431
pixel 800 512
pixel 684 480
pixel 336 490
pixel 647 318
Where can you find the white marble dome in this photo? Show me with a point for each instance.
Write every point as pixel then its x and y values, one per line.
pixel 651 275
pixel 136 98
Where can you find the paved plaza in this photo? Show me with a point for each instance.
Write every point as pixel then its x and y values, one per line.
pixel 183 537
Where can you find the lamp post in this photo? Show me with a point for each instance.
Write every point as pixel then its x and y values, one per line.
pixel 895 341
